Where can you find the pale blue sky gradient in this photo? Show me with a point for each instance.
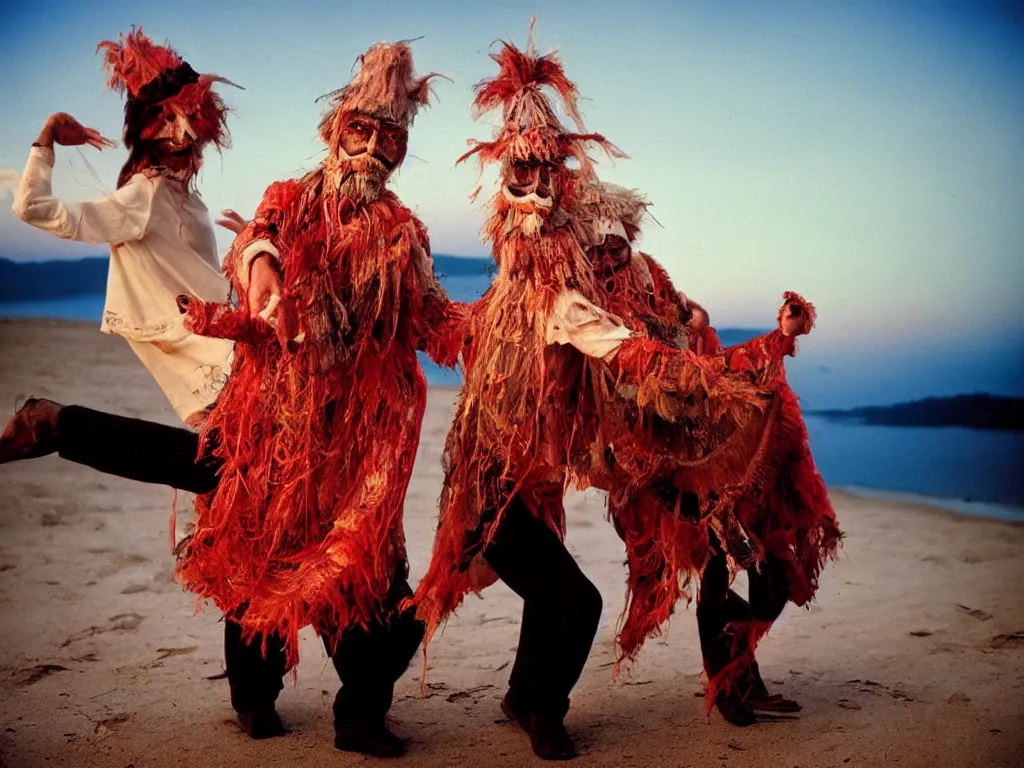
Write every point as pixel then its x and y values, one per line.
pixel 871 158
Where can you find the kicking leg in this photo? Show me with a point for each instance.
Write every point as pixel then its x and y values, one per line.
pixel 115 445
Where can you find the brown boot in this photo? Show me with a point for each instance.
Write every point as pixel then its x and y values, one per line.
pixel 31 432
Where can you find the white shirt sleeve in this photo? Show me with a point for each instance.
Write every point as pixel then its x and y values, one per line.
pixel 117 218
pixel 575 320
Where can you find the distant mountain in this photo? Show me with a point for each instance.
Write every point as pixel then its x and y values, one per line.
pixel 26 281
pixel 57 279
pixel 977 411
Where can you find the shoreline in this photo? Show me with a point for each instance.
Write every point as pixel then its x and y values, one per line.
pixel 980 509
pixel 909 655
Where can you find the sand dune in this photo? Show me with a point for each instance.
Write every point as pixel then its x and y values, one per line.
pixel 911 656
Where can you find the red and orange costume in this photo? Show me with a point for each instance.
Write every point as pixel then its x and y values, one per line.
pixel 748 486
pixel 546 368
pixel 317 437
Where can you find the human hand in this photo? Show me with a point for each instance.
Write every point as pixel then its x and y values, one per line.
pixel 268 302
pixel 61 128
pixel 796 315
pixel 232 220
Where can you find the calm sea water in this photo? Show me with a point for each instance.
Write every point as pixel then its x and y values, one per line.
pixel 967 471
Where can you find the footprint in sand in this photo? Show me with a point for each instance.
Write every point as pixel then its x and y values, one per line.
pixel 1011 640
pixel 35 674
pixel 123 622
pixel 975 613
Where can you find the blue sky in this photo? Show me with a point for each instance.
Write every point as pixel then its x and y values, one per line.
pixel 871 158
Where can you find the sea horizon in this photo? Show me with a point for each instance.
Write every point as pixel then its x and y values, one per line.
pixel 961 470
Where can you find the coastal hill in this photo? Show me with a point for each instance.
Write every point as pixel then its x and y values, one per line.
pixel 977 411
pixel 58 279
pixel 32 280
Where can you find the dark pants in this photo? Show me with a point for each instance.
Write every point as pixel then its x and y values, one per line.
pixel 561 611
pixel 368 661
pixel 135 449
pixel 718 604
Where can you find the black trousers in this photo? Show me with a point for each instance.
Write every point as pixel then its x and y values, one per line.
pixel 561 611
pixel 718 604
pixel 368 661
pixel 135 449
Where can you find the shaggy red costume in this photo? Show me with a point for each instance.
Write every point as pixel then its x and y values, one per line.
pixel 788 513
pixel 766 489
pixel 514 414
pixel 532 412
pixel 318 442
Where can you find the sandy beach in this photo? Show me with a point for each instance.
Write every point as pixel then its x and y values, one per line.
pixel 912 655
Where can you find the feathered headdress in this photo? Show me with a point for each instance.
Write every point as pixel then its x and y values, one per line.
pixel 385 87
pixel 150 74
pixel 531 128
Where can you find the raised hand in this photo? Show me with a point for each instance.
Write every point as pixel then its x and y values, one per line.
pixel 232 220
pixel 61 128
pixel 268 302
pixel 796 315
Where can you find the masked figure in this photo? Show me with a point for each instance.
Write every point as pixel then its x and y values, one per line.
pixel 161 240
pixel 781 529
pixel 541 350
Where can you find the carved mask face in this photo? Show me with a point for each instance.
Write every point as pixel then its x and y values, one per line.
pixel 170 129
pixel 531 184
pixel 380 139
pixel 368 151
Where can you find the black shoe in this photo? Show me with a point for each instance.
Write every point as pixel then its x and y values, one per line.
pixel 732 708
pixel 368 739
pixel 262 723
pixel 31 432
pixel 550 740
pixel 760 700
pixel 548 737
pixel 758 689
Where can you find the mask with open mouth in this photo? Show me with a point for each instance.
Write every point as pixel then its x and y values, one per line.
pixel 171 112
pixel 532 145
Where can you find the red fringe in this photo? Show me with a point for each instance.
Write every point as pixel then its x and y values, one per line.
pixel 318 445
pixel 745 637
pixel 724 426
pixel 135 60
pixel 513 419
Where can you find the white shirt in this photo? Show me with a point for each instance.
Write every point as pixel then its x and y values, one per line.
pixel 161 245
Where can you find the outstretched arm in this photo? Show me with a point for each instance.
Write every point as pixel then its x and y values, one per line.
pixel 120 217
pixel 795 318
